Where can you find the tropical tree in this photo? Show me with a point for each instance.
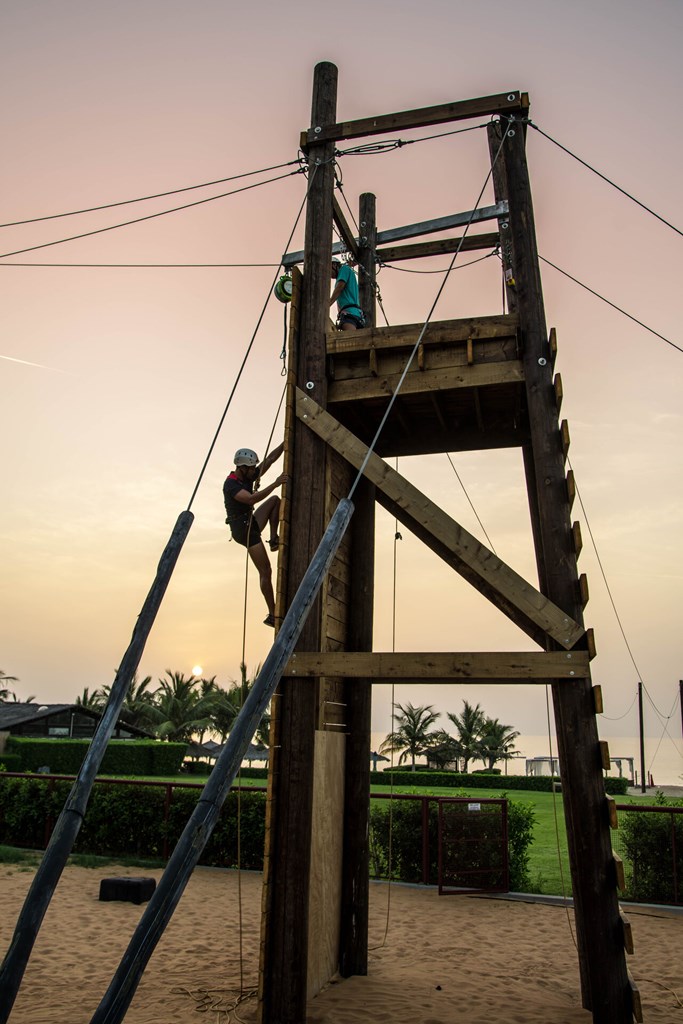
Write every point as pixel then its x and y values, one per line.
pixel 228 706
pixel 138 707
pixel 94 701
pixel 443 751
pixel 180 709
pixel 411 733
pixel 470 725
pixel 497 741
pixel 5 693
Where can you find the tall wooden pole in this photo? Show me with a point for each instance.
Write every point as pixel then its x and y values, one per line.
pixel 286 943
pixel 367 271
pixel 641 734
pixel 353 945
pixel 605 983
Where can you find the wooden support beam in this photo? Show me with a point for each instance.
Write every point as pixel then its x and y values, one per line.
pixel 345 231
pixel 521 602
pixel 367 269
pixel 285 956
pixel 437 247
pixel 601 958
pixel 438 332
pixel 418 382
pixel 444 113
pixel 498 667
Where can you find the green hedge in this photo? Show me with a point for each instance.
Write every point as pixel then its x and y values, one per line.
pixel 122 757
pixel 129 820
pixel 10 763
pixel 474 780
pixel 647 844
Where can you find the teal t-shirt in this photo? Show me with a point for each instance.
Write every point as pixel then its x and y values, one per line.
pixel 348 300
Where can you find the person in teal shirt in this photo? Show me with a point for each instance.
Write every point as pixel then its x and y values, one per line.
pixel 350 315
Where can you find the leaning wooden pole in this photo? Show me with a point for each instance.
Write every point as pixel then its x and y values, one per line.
pixel 70 820
pixel 285 951
pixel 605 983
pixel 198 830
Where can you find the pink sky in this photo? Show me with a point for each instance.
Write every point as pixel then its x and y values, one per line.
pixel 101 448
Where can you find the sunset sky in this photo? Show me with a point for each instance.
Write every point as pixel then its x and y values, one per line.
pixel 114 379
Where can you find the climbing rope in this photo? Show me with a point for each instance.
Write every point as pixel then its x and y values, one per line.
pixel 249 346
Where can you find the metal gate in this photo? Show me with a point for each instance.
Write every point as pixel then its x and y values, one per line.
pixel 473 846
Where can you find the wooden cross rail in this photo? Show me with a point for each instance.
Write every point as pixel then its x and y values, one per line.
pixel 422 227
pixel 438 247
pixel 438 332
pixel 483 106
pixel 449 378
pixel 498 667
pixel 509 592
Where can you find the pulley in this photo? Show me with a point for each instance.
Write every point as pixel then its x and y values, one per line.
pixel 283 289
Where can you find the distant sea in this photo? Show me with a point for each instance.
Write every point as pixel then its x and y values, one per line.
pixel 664 761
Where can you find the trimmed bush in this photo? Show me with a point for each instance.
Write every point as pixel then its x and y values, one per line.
pixel 647 841
pixel 10 763
pixel 122 757
pixel 475 780
pixel 128 820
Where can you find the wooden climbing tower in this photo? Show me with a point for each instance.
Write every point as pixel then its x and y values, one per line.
pixel 474 384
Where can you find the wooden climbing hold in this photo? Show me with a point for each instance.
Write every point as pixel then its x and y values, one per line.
pixel 583 589
pixel 612 812
pixel 619 871
pixel 578 540
pixel 559 393
pixel 597 699
pixel 627 933
pixel 635 997
pixel 604 755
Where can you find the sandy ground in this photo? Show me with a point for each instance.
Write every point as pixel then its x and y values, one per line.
pixel 446 959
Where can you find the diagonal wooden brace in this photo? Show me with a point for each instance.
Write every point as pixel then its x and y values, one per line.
pixel 510 593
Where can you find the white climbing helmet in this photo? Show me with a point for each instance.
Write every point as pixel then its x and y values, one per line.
pixel 246 457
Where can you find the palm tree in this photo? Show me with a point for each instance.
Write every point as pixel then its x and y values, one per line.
pixel 180 710
pixel 443 750
pixel 411 735
pixel 497 741
pixel 138 707
pixel 5 693
pixel 93 701
pixel 470 725
pixel 229 702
